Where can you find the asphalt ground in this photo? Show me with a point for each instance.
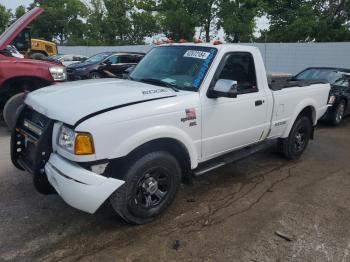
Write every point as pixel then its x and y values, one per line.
pixel 262 208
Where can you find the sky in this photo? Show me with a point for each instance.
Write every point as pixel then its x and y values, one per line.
pixel 13 4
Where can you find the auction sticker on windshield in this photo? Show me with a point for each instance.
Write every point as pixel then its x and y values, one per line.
pixel 196 54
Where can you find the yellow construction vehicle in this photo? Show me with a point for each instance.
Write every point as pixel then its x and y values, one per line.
pixel 36 48
pixel 44 47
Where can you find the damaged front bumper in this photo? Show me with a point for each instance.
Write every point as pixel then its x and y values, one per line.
pixel 79 187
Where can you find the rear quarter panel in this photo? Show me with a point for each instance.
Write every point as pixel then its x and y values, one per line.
pixel 289 102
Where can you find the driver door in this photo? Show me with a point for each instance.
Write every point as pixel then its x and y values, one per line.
pixel 231 123
pixel 110 65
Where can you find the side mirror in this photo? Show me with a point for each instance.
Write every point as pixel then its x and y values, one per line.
pixel 107 62
pixel 224 88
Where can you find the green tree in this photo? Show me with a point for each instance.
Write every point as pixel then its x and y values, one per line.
pixel 62 20
pixel 304 21
pixel 144 20
pixel 20 10
pixel 178 18
pixel 207 11
pixel 117 21
pixel 333 20
pixel 290 21
pixel 120 22
pixel 5 17
pixel 144 24
pixel 237 18
pixel 95 23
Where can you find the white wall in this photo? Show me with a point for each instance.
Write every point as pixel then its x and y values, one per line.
pixel 278 57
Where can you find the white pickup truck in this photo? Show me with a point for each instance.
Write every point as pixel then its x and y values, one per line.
pixel 184 109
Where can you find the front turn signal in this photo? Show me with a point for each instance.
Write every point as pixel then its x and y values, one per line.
pixel 84 144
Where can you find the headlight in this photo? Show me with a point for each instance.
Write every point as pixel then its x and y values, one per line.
pixel 75 142
pixel 331 100
pixel 58 73
pixel 66 139
pixel 80 68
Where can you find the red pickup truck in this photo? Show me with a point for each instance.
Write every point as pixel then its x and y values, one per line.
pixel 19 75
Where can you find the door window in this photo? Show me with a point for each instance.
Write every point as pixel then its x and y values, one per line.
pixel 137 58
pixel 240 67
pixel 127 59
pixel 112 60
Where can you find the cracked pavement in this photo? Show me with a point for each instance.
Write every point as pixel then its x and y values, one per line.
pixel 230 214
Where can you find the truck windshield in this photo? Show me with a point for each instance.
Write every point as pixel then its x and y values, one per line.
pixel 183 67
pixel 97 58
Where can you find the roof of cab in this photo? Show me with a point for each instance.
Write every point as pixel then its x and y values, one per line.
pixel 219 46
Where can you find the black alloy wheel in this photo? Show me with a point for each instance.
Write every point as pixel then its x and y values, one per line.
pixel 295 144
pixel 152 188
pixel 151 184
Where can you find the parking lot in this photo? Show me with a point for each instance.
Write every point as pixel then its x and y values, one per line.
pixel 231 214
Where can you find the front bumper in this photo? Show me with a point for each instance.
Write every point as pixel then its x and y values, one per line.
pixel 79 187
pixel 73 75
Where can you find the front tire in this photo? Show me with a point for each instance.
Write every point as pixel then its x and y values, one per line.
pixel 42 184
pixel 10 111
pixel 95 75
pixel 295 144
pixel 151 184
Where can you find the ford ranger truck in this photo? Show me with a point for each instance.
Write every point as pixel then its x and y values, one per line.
pixel 184 110
pixel 18 75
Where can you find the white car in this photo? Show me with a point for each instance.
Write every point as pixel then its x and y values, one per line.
pixel 67 60
pixel 185 109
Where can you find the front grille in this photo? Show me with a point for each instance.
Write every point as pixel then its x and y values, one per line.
pixel 31 140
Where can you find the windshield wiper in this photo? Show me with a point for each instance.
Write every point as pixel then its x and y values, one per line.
pixel 158 82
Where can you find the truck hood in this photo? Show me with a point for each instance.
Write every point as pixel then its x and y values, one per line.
pixel 13 30
pixel 29 61
pixel 72 101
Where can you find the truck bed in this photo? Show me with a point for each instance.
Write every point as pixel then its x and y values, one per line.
pixel 279 85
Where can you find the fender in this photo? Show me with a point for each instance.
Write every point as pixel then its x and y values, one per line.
pixel 154 133
pixel 301 106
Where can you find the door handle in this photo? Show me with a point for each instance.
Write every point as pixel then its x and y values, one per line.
pixel 259 102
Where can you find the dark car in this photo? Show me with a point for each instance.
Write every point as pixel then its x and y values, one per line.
pixel 339 96
pixel 107 64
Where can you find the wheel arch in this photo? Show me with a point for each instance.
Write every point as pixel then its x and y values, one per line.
pixel 169 134
pixel 164 138
pixel 19 84
pixel 170 145
pixel 308 110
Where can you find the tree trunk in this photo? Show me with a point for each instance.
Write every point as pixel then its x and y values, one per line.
pixel 207 29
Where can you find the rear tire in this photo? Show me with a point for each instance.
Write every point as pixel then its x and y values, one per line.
pixel 338 113
pixel 151 184
pixel 10 111
pixel 295 144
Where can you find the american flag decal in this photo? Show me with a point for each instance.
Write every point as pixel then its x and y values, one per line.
pixel 191 113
